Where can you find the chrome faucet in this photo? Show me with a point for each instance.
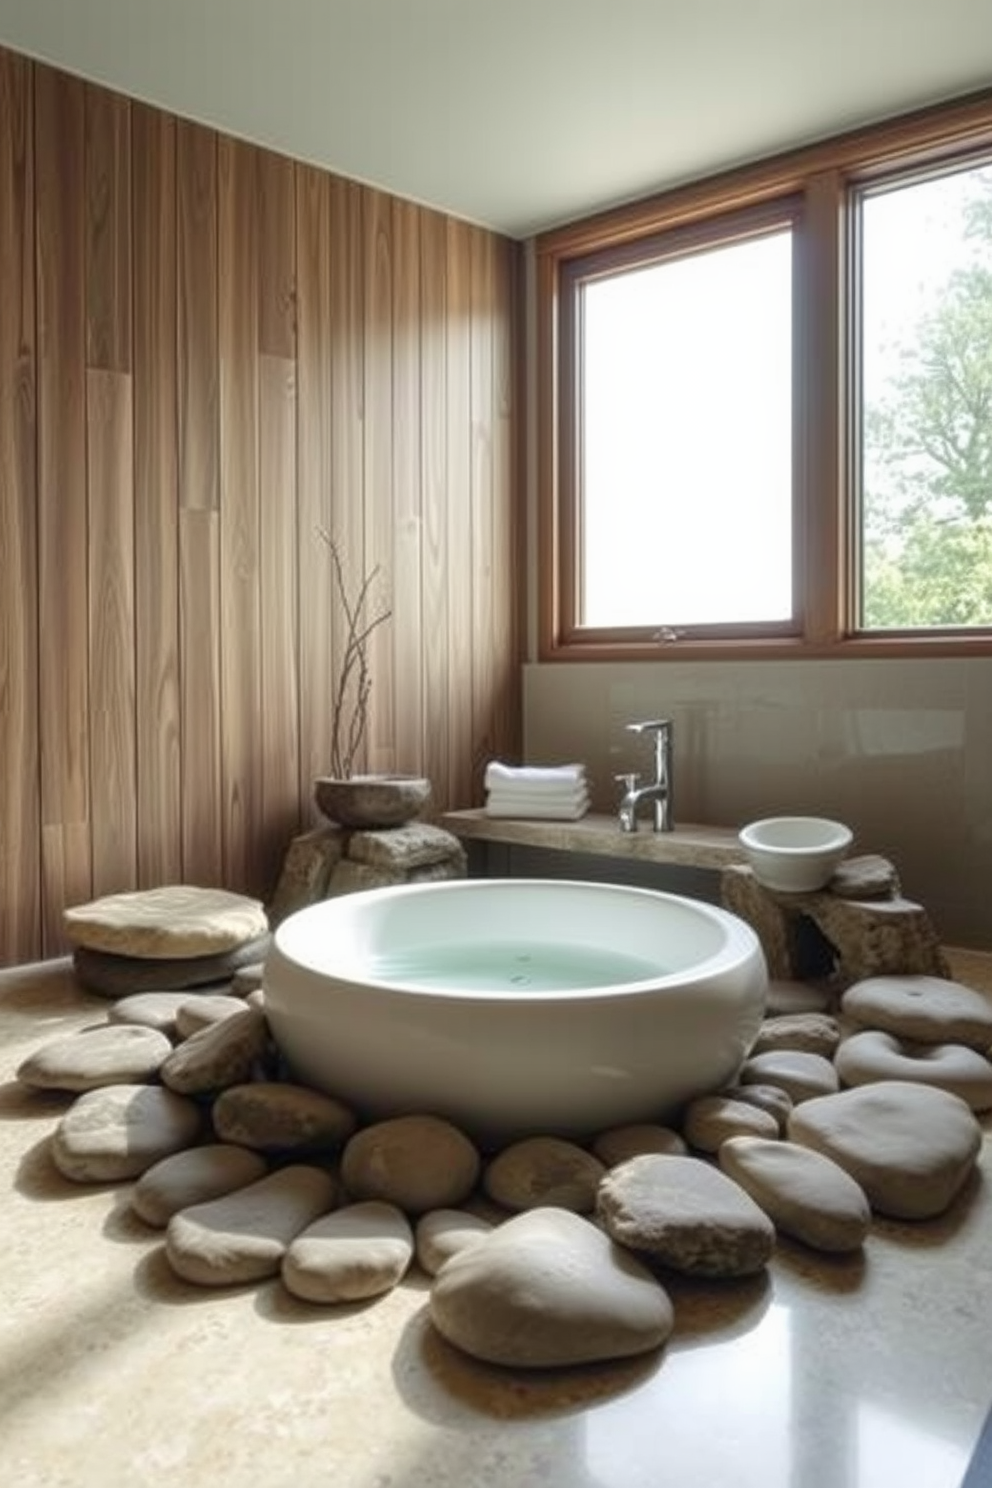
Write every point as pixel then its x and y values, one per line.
pixel 659 791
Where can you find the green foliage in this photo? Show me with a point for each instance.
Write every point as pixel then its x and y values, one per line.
pixel 928 455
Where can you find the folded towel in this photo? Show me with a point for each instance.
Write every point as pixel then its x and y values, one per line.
pixel 551 795
pixel 537 808
pixel 530 777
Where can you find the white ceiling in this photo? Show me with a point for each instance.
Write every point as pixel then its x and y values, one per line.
pixel 519 114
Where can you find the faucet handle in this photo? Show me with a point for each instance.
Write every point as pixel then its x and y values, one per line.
pixel 629 782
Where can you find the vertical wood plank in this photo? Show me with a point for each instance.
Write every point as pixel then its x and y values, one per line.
pixel 20 824
pixel 378 463
pixel 276 255
pixel 197 392
pixel 459 513
pixel 277 734
pixel 156 548
pixel 509 558
pixel 313 472
pixel 434 488
pixel 348 405
pixel 108 230
pixel 407 625
pixel 62 520
pixel 110 464
pixel 483 722
pixel 199 609
pixel 239 514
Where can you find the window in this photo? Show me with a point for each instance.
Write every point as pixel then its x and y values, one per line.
pixel 765 417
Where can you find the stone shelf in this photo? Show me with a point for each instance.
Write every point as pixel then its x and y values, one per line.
pixel 689 846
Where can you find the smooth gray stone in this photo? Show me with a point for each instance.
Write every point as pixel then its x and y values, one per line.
pixel 813 1033
pixel 620 1142
pixel 710 1120
pixel 244 1235
pixel 770 1098
pixel 275 1116
pixel 356 1252
pixel 175 920
pixel 224 1054
pixel 548 1289
pixel 805 1194
pixel 802 1076
pixel 150 1010
pixel 248 978
pixel 926 1009
pixel 123 1055
pixel 542 1171
pixel 873 1055
pixel 193 1177
pixel 121 1130
pixel 443 1233
pixel 121 976
pixel 415 1162
pixel 685 1214
pixel 910 1147
pixel 203 1009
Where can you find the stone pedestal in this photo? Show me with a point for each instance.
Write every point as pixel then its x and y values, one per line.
pixel 859 937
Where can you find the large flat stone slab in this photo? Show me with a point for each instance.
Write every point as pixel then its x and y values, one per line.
pixel 177 920
pixel 927 1009
pixel 122 976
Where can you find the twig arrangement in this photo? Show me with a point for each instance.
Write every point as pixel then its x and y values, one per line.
pixel 349 714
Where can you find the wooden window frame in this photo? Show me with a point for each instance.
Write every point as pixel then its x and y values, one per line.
pixel 815 183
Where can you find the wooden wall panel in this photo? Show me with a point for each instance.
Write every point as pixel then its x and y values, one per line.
pixel 156 499
pixel 63 605
pixel 208 356
pixel 20 865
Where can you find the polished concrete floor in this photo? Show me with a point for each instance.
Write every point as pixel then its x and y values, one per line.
pixel 872 1372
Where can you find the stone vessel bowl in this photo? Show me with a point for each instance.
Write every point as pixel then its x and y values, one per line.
pixel 795 854
pixel 515 1006
pixel 372 801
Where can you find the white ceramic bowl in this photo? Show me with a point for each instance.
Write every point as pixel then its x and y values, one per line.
pixel 795 854
pixel 515 1006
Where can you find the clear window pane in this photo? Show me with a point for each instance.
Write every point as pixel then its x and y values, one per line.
pixel 926 477
pixel 686 440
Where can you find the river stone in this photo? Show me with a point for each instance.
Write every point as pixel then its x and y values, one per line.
pixel 805 1194
pixel 786 996
pixel 442 1233
pixel 768 1098
pixel 926 1009
pixel 193 1177
pixel 709 1120
pixel 149 1010
pixel 223 1054
pixel 121 976
pixel 244 1235
pixel 869 876
pixel 415 1162
pixel 621 1142
pixel 125 1055
pixel 276 1116
pixel 543 1171
pixel 402 848
pixel 176 920
pixel 813 1033
pixel 910 1147
pixel 118 1131
pixel 548 1289
pixel 685 1214
pixel 205 1009
pixel 802 1076
pixel 359 1251
pixel 248 979
pixel 873 1055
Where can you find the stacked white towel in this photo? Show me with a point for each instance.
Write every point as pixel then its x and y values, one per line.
pixel 545 792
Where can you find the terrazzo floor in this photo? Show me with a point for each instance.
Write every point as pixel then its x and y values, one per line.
pixel 866 1372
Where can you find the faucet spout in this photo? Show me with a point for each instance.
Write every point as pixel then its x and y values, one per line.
pixel 659 791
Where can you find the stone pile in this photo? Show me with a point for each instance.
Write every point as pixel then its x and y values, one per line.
pixel 546 1252
pixel 860 923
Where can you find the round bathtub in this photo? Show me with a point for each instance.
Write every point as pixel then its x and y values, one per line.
pixel 514 1006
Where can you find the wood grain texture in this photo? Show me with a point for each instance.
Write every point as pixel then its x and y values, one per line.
pixel 509 567
pixel 110 549
pixel 208 355
pixel 198 411
pixel 108 230
pixel 240 641
pixel 20 846
pixel 62 499
pixel 156 499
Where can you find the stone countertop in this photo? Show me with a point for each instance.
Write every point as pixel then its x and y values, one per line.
pixel 688 845
pixel 846 1373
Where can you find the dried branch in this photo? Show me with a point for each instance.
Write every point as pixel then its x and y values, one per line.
pixel 350 704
